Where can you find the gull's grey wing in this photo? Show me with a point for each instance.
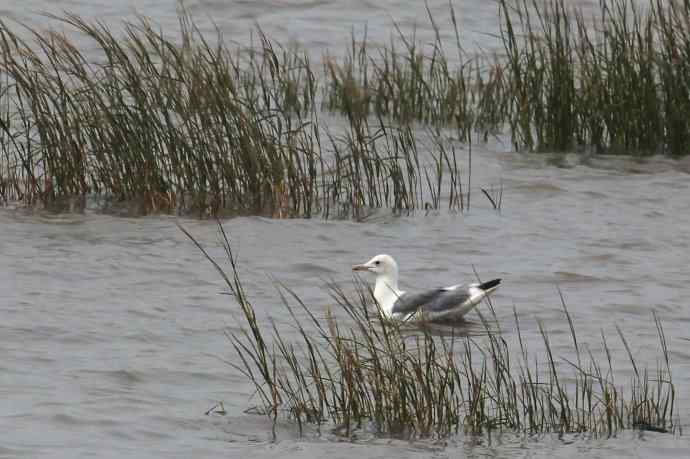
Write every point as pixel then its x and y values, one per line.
pixel 447 299
pixel 444 303
pixel 411 302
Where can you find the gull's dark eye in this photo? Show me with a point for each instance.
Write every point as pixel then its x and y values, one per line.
pixel 377 262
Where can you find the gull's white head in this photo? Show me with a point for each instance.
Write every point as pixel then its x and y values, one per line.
pixel 386 290
pixel 381 265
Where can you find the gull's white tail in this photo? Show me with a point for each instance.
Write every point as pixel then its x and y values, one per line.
pixel 490 286
pixel 477 293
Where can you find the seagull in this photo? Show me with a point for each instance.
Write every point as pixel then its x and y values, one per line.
pixel 446 303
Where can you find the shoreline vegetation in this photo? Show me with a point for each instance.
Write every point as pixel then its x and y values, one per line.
pixel 195 126
pixel 353 370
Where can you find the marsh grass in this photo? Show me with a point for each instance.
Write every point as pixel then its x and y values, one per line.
pixel 196 126
pixel 188 126
pixel 615 83
pixel 170 125
pixel 353 370
pixel 407 82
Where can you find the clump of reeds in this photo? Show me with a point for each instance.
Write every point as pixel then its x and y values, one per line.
pixel 172 125
pixel 186 126
pixel 418 84
pixel 359 370
pixel 193 125
pixel 615 83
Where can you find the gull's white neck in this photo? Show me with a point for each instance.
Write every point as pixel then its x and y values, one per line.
pixel 386 292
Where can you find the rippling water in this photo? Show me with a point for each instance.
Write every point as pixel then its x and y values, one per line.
pixel 112 331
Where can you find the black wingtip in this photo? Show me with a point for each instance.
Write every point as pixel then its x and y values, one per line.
pixel 490 284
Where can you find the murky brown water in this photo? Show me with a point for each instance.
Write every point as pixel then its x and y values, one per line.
pixel 112 329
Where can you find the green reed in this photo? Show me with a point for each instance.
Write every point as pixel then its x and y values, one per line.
pixel 616 82
pixel 150 118
pixel 190 125
pixel 406 82
pixel 196 126
pixel 353 368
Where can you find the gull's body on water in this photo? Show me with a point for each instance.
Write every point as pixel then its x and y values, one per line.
pixel 444 303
